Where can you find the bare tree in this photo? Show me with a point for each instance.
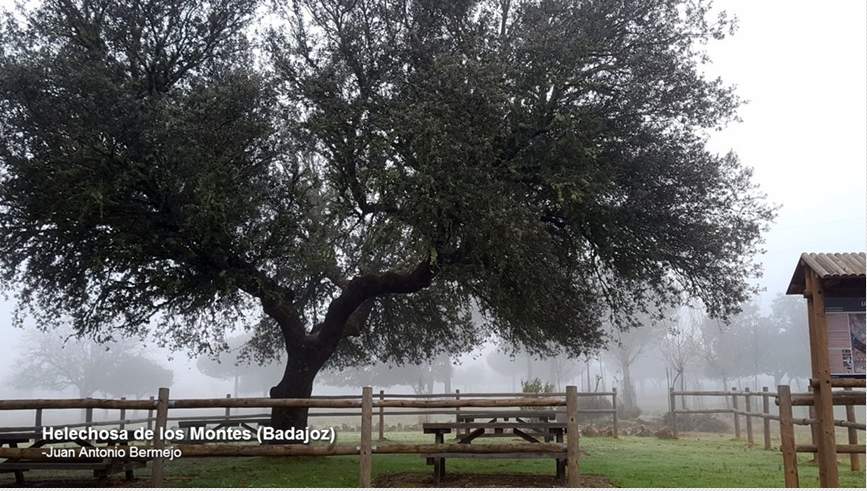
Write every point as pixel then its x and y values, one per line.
pixel 681 346
pixel 624 349
pixel 55 361
pixel 562 369
pixel 721 350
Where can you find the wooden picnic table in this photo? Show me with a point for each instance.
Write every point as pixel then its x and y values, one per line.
pixel 101 467
pixel 528 425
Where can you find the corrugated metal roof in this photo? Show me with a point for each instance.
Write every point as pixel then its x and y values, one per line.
pixel 840 265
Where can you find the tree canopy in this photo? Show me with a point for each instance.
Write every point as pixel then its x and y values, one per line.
pixel 352 183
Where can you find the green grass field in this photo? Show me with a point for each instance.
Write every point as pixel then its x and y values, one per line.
pixel 701 461
pixel 697 460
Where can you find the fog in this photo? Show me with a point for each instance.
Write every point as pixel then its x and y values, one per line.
pixel 652 366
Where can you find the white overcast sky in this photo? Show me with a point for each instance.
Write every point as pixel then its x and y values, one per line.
pixel 802 67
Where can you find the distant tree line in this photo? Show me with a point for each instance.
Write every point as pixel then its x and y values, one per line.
pixel 55 361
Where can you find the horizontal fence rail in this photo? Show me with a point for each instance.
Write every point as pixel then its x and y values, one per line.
pixel 789 448
pixel 736 410
pixel 450 404
pixel 843 398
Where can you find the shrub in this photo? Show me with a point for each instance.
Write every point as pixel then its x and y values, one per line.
pixel 707 423
pixel 627 413
pixel 536 386
pixel 594 402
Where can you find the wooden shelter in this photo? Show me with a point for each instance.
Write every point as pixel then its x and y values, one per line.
pixel 833 284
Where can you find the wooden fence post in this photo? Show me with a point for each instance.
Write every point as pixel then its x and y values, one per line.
pixel 228 409
pixel 458 412
pixel 748 407
pixel 157 472
pixel 854 458
pixel 122 415
pixel 572 467
pixel 766 421
pixel 88 415
pixel 366 435
pixel 614 411
pixel 787 437
pixel 814 431
pixel 735 411
pixel 381 416
pixel 38 422
pixel 672 403
pixel 151 416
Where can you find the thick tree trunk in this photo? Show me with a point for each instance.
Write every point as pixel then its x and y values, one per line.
pixel 297 383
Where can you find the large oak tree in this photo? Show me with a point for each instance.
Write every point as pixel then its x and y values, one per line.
pixel 352 183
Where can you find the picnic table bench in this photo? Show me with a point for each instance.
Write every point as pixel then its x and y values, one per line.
pixel 101 466
pixel 528 425
pixel 528 418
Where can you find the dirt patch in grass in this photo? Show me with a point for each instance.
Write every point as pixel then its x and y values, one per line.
pixel 402 480
pixel 468 480
pixel 71 483
pixel 87 482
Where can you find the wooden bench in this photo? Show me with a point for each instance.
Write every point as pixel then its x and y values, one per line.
pixel 101 467
pixel 529 431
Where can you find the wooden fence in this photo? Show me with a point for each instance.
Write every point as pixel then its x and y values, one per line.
pixel 744 408
pixel 353 412
pixel 847 397
pixel 365 404
pixel 755 405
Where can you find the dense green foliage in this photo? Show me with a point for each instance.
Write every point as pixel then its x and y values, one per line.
pixel 363 176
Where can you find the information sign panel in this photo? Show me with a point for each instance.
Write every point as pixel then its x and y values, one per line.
pixel 847 335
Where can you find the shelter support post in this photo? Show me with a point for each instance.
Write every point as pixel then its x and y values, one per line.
pixel 826 444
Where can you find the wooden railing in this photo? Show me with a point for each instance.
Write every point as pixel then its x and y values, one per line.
pixel 847 397
pixel 742 410
pixel 737 396
pixel 344 411
pixel 365 404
